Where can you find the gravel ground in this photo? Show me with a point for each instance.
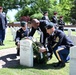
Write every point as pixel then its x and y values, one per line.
pixel 9 58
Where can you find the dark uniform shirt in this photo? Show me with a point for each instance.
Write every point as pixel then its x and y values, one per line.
pixel 41 28
pixel 61 24
pixel 21 34
pixel 3 21
pixel 60 39
pixel 45 18
pixel 54 19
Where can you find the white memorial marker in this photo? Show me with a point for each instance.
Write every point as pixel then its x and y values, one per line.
pixel 26 53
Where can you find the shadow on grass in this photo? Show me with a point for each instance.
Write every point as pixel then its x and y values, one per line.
pixel 38 66
pixel 11 61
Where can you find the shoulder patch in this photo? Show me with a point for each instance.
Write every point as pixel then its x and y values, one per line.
pixel 57 39
pixel 18 30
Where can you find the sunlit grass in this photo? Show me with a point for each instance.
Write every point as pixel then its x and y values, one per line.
pixel 39 69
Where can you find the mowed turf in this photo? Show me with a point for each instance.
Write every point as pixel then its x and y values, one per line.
pixel 38 69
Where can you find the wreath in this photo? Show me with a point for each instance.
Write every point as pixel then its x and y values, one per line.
pixel 39 58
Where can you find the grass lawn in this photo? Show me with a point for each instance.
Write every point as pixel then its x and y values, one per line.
pixel 42 69
pixel 46 69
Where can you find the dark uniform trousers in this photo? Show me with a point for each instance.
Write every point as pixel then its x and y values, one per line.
pixel 61 45
pixel 2 35
pixel 62 54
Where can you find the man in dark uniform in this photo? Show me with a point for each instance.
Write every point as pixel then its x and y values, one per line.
pixel 39 25
pixel 61 23
pixel 45 16
pixel 3 25
pixel 60 44
pixel 21 33
pixel 54 19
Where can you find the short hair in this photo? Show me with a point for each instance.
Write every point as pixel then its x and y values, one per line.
pixel 61 16
pixel 35 21
pixel 55 13
pixel 45 12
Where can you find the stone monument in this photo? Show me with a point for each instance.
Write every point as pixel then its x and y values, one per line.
pixel 26 53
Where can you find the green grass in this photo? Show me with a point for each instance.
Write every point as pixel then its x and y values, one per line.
pixel 73 33
pixel 43 69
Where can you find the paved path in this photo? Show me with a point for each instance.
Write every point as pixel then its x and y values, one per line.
pixel 8 58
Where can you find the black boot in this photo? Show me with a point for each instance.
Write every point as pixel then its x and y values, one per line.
pixel 0 43
pixel 60 64
pixel 18 51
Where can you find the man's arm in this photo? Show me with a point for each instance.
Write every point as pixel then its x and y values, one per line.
pixel 32 32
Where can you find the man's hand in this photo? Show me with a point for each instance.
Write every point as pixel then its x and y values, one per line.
pixel 42 49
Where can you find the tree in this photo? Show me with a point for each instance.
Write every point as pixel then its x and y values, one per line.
pixel 73 13
pixel 36 7
pixel 64 7
pixel 73 10
pixel 13 4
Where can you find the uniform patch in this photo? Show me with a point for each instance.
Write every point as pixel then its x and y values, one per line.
pixel 18 30
pixel 57 39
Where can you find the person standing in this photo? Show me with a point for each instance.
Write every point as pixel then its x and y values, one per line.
pixel 3 25
pixel 61 23
pixel 45 16
pixel 54 19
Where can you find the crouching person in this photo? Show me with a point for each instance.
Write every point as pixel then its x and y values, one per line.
pixel 21 33
pixel 60 44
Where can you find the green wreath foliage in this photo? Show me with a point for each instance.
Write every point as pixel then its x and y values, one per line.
pixel 37 56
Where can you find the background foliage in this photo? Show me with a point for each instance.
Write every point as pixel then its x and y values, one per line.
pixel 65 8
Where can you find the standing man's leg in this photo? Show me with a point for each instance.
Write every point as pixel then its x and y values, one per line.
pixel 0 37
pixel 3 36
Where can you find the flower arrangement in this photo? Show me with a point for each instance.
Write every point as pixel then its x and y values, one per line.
pixel 39 58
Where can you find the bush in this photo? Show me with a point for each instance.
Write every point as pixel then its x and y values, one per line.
pixel 37 16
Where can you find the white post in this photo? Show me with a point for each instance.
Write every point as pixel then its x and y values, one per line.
pixel 26 53
pixel 73 38
pixel 73 60
pixel 69 32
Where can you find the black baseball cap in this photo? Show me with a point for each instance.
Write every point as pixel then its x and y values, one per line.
pixel 50 25
pixel 23 23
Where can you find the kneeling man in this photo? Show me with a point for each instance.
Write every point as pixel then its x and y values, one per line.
pixel 21 33
pixel 60 44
